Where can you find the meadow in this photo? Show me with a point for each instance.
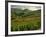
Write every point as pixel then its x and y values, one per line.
pixel 25 20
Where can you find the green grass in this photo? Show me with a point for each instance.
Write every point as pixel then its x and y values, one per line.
pixel 23 25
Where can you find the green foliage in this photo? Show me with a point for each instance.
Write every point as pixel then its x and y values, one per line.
pixel 24 27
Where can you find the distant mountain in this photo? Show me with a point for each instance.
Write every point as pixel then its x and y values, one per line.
pixel 25 12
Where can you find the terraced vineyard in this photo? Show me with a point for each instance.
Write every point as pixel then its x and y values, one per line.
pixel 24 20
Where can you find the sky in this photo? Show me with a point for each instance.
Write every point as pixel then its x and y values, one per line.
pixel 26 7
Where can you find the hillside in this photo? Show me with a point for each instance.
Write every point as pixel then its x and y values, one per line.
pixel 25 12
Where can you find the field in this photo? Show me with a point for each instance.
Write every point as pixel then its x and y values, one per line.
pixel 25 20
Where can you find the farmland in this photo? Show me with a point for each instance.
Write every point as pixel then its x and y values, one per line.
pixel 25 20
